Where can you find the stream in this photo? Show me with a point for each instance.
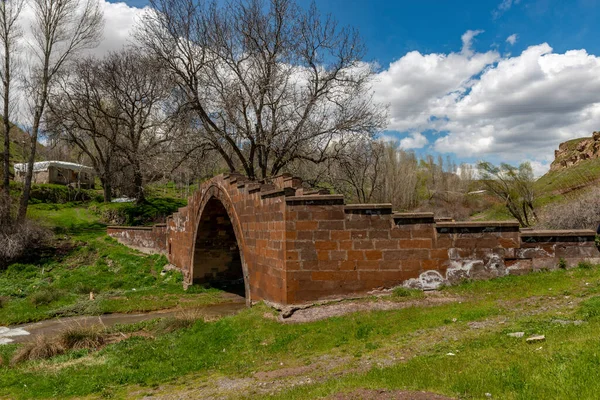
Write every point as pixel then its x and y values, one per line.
pixel 27 332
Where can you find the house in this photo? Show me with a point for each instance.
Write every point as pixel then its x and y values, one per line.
pixel 58 172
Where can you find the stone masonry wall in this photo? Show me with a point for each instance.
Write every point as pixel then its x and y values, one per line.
pixel 149 240
pixel 298 245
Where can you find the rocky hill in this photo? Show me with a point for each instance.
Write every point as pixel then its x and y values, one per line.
pixel 576 151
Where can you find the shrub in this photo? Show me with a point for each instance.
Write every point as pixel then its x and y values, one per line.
pixel 41 348
pixel 18 239
pixel 52 193
pixel 82 337
pixel 562 263
pixel 45 296
pixel 3 301
pixel 401 291
pixel 580 213
pixel 585 265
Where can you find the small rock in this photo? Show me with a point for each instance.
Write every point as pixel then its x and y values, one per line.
pixel 535 338
pixel 92 297
pixel 450 354
pixel 516 334
pixel 454 319
pixel 488 395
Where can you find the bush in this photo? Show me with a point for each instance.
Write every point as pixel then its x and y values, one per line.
pixel 580 213
pixel 401 291
pixel 51 193
pixel 77 337
pixel 585 265
pixel 45 296
pixel 3 301
pixel 150 211
pixel 41 348
pixel 562 263
pixel 19 239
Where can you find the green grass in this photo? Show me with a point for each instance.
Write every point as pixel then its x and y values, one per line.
pixel 570 178
pixel 147 213
pixel 486 360
pixel 57 282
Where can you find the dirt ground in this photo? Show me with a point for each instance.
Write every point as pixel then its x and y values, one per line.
pixel 336 309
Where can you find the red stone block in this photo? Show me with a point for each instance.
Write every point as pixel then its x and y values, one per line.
pixel 340 235
pixel 415 244
pixel 355 255
pixel 373 254
pixel 326 245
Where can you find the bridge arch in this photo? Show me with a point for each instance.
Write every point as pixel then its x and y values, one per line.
pixel 218 254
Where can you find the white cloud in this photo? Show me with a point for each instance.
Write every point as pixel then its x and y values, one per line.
pixel 415 141
pixel 418 84
pixel 503 7
pixel 510 108
pixel 120 20
pixel 512 39
pixel 467 41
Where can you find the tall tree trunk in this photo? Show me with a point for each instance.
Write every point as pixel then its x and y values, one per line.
pixel 138 181
pixel 5 207
pixel 106 189
pixel 29 173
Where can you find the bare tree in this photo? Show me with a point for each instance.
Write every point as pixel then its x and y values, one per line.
pixel 514 186
pixel 267 82
pixel 357 171
pixel 117 107
pixel 61 30
pixel 401 181
pixel 10 33
pixel 80 114
pixel 138 90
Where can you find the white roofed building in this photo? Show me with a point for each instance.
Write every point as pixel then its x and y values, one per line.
pixel 58 172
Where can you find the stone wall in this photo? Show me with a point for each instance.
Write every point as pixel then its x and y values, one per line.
pixel 297 245
pixel 149 240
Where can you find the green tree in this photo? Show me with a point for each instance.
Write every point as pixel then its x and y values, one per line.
pixel 512 185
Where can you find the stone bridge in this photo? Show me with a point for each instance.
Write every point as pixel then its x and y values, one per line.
pixel 282 243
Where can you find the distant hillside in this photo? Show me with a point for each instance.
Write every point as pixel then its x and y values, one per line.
pixel 19 146
pixel 576 167
pixel 575 151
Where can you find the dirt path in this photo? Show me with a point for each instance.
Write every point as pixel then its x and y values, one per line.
pixel 319 312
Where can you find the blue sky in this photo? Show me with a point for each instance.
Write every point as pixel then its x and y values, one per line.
pixel 500 80
pixel 393 28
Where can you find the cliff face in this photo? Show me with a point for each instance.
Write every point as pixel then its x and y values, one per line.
pixel 575 151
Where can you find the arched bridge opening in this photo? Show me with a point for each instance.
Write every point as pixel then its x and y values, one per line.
pixel 217 259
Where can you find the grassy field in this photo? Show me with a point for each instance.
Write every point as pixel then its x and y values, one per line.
pixel 401 349
pixel 83 259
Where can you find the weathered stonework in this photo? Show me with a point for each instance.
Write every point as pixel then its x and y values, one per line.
pixel 293 246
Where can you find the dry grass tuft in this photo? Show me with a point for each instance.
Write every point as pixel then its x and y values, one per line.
pixel 77 337
pixel 181 320
pixel 41 348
